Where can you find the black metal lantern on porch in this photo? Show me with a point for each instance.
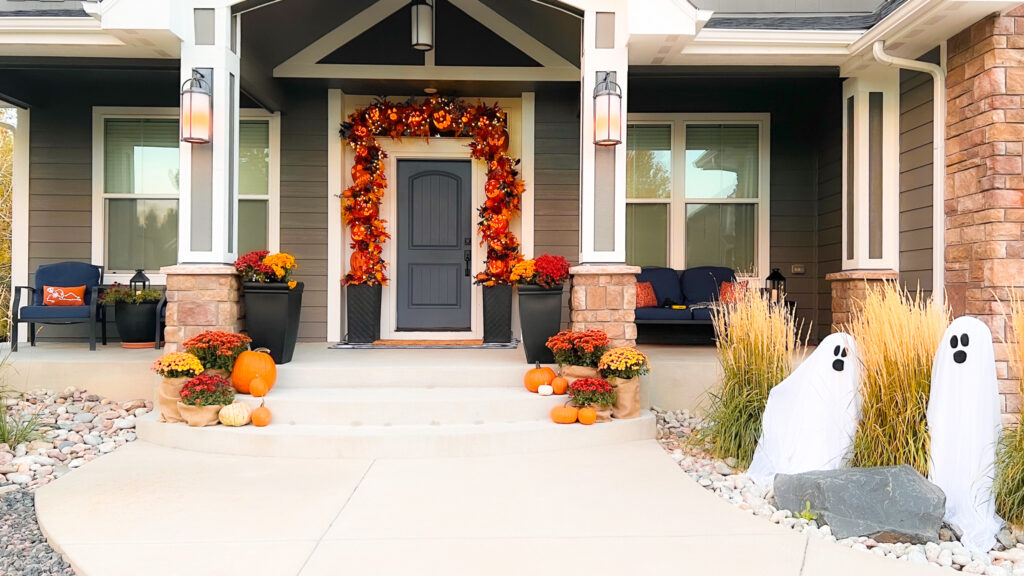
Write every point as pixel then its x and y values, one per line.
pixel 607 110
pixel 423 25
pixel 196 109
pixel 775 286
pixel 138 282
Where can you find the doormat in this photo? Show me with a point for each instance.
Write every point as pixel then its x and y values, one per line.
pixel 428 344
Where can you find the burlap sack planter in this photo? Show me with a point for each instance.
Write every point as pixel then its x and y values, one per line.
pixel 168 396
pixel 218 372
pixel 574 373
pixel 627 397
pixel 199 416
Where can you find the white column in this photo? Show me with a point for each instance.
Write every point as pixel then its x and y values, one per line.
pixel 603 169
pixel 20 206
pixel 871 183
pixel 208 181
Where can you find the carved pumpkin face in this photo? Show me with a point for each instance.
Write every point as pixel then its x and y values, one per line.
pixel 360 260
pixel 498 140
pixel 358 233
pixel 415 118
pixel 492 188
pixel 442 120
pixel 496 267
pixel 373 116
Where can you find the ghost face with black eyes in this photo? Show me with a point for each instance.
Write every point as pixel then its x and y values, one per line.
pixel 964 424
pixel 840 352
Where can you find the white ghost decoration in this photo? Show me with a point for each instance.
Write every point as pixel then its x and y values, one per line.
pixel 964 423
pixel 811 416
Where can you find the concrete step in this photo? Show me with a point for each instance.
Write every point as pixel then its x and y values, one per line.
pixel 409 441
pixel 405 406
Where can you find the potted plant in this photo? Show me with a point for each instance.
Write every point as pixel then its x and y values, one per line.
pixel 622 367
pixel 540 302
pixel 593 393
pixel 134 314
pixel 273 302
pixel 496 287
pixel 202 398
pixel 176 369
pixel 217 350
pixel 578 353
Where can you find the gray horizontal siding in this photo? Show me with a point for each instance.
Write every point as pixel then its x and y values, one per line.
pixel 916 210
pixel 556 185
pixel 304 212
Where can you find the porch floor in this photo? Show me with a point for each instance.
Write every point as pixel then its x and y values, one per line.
pixel 617 509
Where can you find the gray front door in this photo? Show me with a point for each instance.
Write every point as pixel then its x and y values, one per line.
pixel 434 239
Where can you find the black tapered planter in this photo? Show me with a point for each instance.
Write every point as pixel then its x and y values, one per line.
pixel 497 314
pixel 272 317
pixel 363 313
pixel 540 317
pixel 136 323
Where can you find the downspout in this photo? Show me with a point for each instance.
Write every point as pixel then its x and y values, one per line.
pixel 938 160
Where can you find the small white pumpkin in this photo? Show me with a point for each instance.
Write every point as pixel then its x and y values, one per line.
pixel 237 414
pixel 545 390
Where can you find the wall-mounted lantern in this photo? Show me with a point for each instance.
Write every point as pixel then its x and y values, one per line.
pixel 607 110
pixel 196 109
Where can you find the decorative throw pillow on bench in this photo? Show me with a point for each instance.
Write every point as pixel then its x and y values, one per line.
pixel 729 292
pixel 63 295
pixel 645 297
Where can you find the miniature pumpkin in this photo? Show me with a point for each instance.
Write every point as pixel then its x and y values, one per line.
pixel 258 387
pixel 237 414
pixel 251 364
pixel 560 385
pixel 261 416
pixel 545 390
pixel 587 416
pixel 564 414
pixel 537 377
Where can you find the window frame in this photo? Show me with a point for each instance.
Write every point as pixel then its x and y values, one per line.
pixel 678 123
pixel 100 114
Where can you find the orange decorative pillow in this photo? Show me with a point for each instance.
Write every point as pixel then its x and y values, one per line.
pixel 63 295
pixel 729 292
pixel 645 297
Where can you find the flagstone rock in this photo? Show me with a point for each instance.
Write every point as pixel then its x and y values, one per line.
pixel 889 504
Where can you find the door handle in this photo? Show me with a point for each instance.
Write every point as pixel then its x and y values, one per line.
pixel 468 256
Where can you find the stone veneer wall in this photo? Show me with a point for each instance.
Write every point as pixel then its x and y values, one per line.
pixel 604 298
pixel 201 298
pixel 850 287
pixel 984 177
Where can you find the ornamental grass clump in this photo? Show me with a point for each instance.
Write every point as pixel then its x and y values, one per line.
pixel 1009 478
pixel 897 334
pixel 756 339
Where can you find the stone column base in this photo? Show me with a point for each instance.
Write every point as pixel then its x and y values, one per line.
pixel 850 287
pixel 201 297
pixel 604 298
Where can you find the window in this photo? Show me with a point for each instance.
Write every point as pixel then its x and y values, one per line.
pixel 140 192
pixel 135 183
pixel 696 191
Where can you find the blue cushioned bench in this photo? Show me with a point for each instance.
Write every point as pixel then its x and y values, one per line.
pixel 697 288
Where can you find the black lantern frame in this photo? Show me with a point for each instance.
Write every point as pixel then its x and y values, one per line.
pixel 775 286
pixel 139 279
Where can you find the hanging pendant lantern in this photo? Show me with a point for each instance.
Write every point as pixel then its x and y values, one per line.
pixel 196 110
pixel 422 25
pixel 607 110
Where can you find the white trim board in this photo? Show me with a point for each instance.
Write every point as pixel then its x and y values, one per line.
pixel 20 205
pixel 98 241
pixel 305 63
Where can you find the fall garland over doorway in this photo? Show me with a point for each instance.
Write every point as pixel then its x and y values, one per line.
pixel 436 116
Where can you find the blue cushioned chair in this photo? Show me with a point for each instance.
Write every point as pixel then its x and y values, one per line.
pixel 65 275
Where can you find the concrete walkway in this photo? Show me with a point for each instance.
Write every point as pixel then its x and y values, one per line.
pixel 622 509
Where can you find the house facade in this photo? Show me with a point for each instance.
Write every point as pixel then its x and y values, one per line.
pixel 819 139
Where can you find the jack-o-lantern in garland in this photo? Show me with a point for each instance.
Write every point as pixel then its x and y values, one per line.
pixel 487 125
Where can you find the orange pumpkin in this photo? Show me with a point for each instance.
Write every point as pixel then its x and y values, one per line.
pixel 560 385
pixel 261 416
pixel 587 416
pixel 253 364
pixel 537 377
pixel 258 387
pixel 559 414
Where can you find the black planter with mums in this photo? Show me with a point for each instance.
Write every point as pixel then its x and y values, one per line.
pixel 497 314
pixel 136 323
pixel 272 314
pixel 540 317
